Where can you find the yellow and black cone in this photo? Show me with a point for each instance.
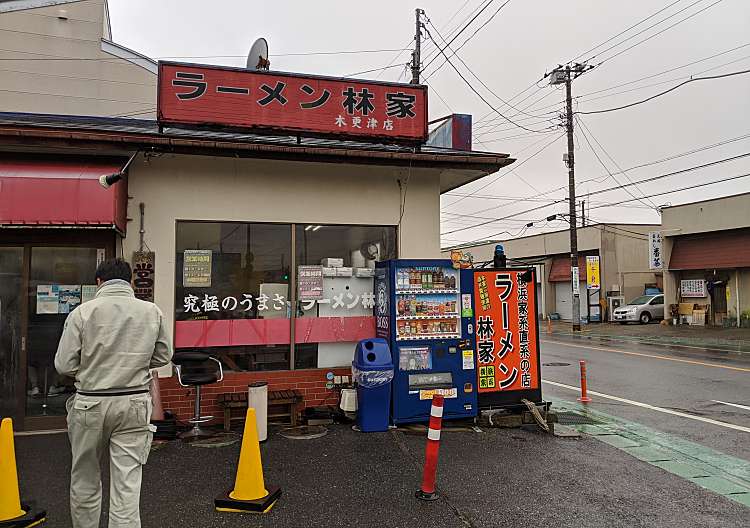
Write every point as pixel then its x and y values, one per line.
pixel 250 494
pixel 13 513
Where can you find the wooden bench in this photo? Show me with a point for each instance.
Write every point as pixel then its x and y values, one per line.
pixel 281 404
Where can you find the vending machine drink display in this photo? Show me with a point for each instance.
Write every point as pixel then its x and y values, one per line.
pixel 418 311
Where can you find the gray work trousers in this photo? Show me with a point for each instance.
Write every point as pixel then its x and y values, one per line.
pixel 118 426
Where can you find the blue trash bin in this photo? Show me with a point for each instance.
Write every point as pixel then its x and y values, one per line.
pixel 372 369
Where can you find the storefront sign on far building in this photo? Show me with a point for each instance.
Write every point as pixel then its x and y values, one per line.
pixel 273 102
pixel 196 268
pixel 310 282
pixel 593 281
pixel 693 288
pixel 655 259
pixel 143 275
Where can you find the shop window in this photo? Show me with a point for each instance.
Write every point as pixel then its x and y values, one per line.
pixel 233 298
pixel 232 281
pixel 335 268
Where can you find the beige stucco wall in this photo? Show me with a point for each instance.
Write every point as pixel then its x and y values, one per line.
pixel 630 265
pixel 226 189
pixel 731 212
pixel 101 84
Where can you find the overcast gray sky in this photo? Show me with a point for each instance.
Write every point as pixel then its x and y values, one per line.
pixel 524 40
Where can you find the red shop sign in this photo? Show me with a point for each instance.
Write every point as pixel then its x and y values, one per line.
pixel 291 103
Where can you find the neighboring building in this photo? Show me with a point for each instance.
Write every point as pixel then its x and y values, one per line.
pixel 57 57
pixel 623 261
pixel 259 206
pixel 707 243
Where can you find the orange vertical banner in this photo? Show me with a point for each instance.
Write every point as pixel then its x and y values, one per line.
pixel 506 326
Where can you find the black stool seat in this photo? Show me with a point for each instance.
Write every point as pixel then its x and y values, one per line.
pixel 190 357
pixel 199 378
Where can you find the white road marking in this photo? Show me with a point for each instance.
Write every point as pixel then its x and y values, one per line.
pixel 654 356
pixel 747 408
pixel 652 407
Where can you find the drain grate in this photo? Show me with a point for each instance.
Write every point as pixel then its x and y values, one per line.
pixel 573 418
pixel 555 364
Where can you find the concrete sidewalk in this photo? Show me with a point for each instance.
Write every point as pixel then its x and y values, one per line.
pixel 726 339
pixel 500 477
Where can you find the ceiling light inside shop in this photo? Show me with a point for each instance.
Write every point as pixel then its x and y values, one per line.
pixel 317 227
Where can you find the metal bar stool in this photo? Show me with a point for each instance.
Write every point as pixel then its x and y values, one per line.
pixel 194 369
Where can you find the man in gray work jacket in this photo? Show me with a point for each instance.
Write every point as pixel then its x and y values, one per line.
pixel 109 345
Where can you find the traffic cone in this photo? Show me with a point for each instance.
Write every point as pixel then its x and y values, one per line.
pixel 249 494
pixel 157 411
pixel 13 513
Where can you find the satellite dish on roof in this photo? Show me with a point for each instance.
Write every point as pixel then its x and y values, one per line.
pixel 257 59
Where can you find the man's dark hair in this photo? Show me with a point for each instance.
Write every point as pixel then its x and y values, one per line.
pixel 114 269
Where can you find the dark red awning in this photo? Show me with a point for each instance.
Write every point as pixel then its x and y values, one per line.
pixel 560 269
pixel 718 250
pixel 46 191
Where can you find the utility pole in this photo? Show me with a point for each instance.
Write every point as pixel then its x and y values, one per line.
pixel 416 58
pixel 565 76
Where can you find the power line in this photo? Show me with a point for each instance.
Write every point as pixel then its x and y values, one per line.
pixel 619 53
pixel 623 32
pixel 456 13
pixel 585 129
pixel 302 54
pixel 682 10
pixel 485 101
pixel 455 54
pixel 666 71
pixel 387 67
pixel 474 34
pixel 690 187
pixel 442 50
pixel 585 97
pixel 659 32
pixel 694 79
pixel 493 180
pixel 669 174
pixel 601 191
pixel 460 28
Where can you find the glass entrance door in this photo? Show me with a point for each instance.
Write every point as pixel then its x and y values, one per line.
pixel 11 277
pixel 60 278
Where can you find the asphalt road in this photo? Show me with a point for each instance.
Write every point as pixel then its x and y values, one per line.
pixel 684 379
pixel 500 477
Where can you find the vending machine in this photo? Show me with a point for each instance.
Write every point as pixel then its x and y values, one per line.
pixel 418 310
